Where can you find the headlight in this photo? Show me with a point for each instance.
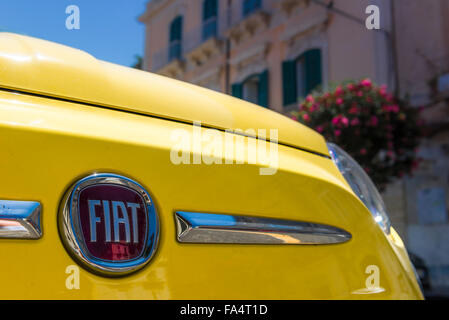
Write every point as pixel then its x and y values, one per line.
pixel 361 184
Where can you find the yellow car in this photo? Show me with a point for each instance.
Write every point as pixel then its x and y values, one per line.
pixel 122 184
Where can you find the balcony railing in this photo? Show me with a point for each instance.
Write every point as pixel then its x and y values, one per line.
pixel 209 28
pixel 166 55
pixel 175 50
pixel 241 10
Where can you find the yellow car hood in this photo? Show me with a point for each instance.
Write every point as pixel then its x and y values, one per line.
pixel 50 69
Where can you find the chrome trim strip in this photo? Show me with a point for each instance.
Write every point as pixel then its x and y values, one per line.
pixel 20 220
pixel 195 227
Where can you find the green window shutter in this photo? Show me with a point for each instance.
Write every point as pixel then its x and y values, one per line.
pixel 176 29
pixel 179 28
pixel 237 90
pixel 206 9
pixel 209 9
pixel 250 6
pixel 264 88
pixel 173 31
pixel 214 8
pixel 289 82
pixel 313 70
pixel 246 7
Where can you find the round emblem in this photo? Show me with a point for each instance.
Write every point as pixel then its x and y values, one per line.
pixel 109 224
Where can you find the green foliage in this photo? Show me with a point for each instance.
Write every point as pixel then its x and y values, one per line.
pixel 139 63
pixel 380 131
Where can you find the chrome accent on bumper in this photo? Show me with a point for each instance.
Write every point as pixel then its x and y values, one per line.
pixel 20 219
pixel 194 227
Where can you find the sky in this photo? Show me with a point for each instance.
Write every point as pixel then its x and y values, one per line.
pixel 109 29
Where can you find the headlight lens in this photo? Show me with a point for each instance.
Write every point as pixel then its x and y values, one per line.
pixel 361 184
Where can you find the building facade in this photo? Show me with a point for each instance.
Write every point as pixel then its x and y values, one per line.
pixel 270 52
pixel 420 203
pixel 275 52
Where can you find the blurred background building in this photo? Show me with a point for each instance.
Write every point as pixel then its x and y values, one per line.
pixel 275 52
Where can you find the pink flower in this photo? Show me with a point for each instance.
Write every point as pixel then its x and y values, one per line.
pixel 336 120
pixel 383 91
pixel 310 99
pixel 355 122
pixel 393 108
pixel 339 101
pixel 360 94
pixel 366 83
pixel 350 86
pixel 338 91
pixel 388 97
pixel 374 121
pixel 345 121
pixel 320 129
pixel 354 110
pixel 337 133
pixel 314 107
pixel 294 118
pixel 363 151
pixel 306 117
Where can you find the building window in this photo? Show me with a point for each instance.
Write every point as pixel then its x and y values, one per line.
pixel 250 6
pixel 301 76
pixel 175 41
pixel 253 89
pixel 209 19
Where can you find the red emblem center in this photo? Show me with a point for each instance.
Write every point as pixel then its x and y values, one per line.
pixel 113 221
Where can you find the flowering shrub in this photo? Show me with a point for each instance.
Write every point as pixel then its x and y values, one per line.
pixel 380 131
